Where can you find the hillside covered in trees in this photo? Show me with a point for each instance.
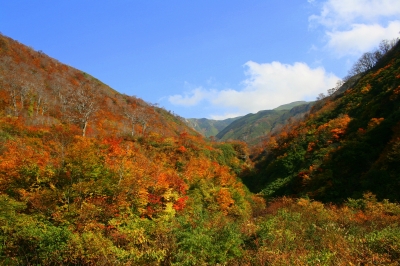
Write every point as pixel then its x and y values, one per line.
pixel 251 128
pixel 347 145
pixel 89 176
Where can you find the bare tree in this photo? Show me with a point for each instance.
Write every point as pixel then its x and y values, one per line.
pixel 139 115
pixel 365 63
pixel 23 91
pixel 321 96
pixel 132 116
pixel 41 100
pixel 16 90
pixel 144 117
pixel 386 45
pixel 339 83
pixel 61 90
pixel 368 60
pixel 82 106
pixel 12 90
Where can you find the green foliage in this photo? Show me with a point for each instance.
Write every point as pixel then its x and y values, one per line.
pixel 304 232
pixel 29 239
pixel 207 240
pixel 346 146
pixel 385 242
pixel 227 153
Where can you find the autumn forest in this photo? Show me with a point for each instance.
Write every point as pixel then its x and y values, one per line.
pixel 90 176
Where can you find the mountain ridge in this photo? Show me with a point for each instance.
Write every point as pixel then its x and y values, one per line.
pixel 252 127
pixel 221 128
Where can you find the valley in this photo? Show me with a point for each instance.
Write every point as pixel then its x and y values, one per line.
pixel 90 176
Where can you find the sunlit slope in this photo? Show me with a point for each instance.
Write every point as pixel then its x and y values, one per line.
pixel 252 127
pixel 37 86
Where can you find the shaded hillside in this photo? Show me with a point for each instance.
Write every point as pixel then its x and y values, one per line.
pixel 348 145
pixel 252 127
pixel 209 127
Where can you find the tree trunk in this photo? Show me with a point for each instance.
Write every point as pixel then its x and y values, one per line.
pixel 84 129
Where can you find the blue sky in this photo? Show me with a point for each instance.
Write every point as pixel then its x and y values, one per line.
pixel 213 59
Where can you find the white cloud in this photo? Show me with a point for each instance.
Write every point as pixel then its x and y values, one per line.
pixel 192 98
pixel 336 13
pixel 267 86
pixel 361 37
pixel 225 116
pixel 272 84
pixel 357 26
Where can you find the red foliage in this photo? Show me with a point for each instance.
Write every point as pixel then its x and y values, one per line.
pixel 181 149
pixel 180 203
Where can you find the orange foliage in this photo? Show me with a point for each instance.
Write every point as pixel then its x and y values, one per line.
pixel 374 122
pixel 337 127
pixel 21 155
pixel 224 200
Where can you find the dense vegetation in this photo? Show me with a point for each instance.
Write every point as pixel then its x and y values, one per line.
pixel 92 177
pixel 349 143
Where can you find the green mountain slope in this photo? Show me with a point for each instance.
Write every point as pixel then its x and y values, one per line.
pixel 250 128
pixel 290 105
pixel 349 144
pixel 209 127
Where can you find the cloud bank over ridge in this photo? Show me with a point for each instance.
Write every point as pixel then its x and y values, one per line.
pixel 267 86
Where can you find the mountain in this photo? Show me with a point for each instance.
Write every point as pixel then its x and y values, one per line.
pixel 252 127
pixel 89 176
pixel 348 145
pixel 47 92
pixel 209 127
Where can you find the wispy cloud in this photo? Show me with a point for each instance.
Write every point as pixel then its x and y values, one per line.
pixel 339 13
pixel 225 116
pixel 190 98
pixel 266 87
